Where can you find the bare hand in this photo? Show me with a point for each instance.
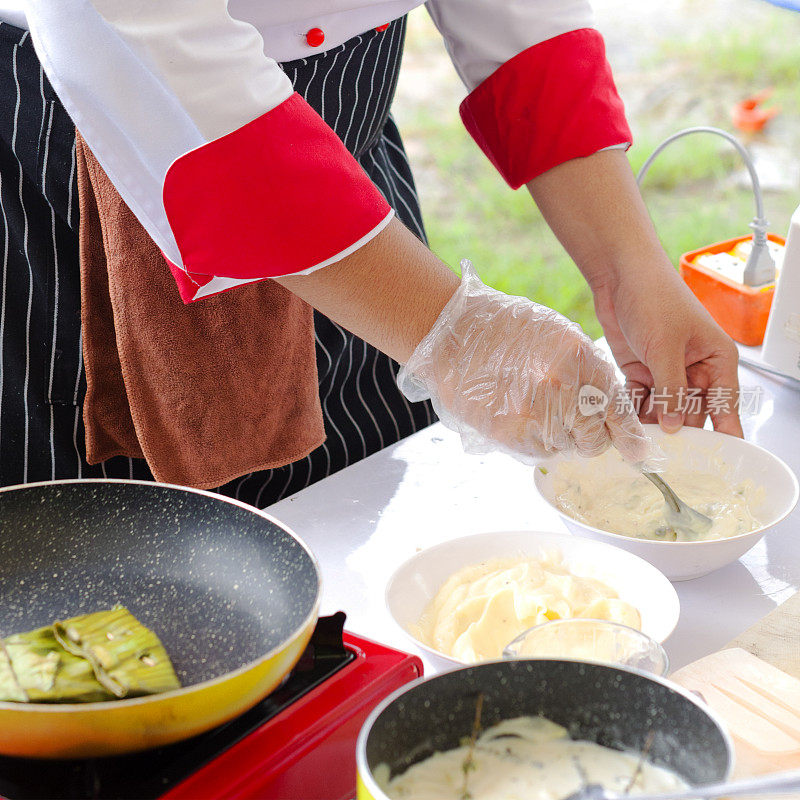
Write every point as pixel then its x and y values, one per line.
pixel 670 351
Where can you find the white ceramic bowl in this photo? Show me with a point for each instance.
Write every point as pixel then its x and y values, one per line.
pixel 416 582
pixel 681 561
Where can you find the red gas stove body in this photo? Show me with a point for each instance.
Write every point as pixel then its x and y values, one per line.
pixel 308 751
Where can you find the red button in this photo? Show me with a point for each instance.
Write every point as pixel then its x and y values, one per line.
pixel 382 28
pixel 315 37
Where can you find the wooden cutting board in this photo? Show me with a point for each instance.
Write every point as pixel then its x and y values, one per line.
pixel 776 637
pixel 754 685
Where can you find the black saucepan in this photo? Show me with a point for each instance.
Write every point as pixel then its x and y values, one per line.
pixel 616 708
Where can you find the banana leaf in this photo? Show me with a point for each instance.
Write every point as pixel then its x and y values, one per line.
pixel 45 672
pixel 128 659
pixel 9 685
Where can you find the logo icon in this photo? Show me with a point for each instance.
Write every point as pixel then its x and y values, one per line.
pixel 591 400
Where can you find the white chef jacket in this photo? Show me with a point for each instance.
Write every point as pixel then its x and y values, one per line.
pixel 234 176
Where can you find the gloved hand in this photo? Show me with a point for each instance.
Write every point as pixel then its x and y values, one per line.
pixel 506 373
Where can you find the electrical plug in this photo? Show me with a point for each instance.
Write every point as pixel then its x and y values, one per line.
pixel 760 266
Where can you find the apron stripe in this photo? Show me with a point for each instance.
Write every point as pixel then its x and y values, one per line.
pixel 358 379
pixel 77 426
pixel 3 306
pixel 55 301
pixel 385 85
pixel 344 404
pixel 355 104
pixel 70 193
pixel 376 363
pixel 25 415
pixel 331 422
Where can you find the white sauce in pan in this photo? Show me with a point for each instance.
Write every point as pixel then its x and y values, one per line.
pixel 606 493
pixel 528 758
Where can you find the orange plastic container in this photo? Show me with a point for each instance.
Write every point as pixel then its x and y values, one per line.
pixel 740 310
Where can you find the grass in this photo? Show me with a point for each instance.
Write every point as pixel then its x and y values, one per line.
pixel 690 190
pixel 759 54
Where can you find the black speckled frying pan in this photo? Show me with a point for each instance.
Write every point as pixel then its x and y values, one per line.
pixel 231 593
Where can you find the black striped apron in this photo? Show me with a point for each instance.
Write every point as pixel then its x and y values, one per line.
pixel 41 370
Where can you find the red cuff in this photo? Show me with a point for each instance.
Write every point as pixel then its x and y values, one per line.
pixel 553 102
pixel 277 196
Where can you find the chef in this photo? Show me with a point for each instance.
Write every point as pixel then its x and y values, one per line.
pixel 252 139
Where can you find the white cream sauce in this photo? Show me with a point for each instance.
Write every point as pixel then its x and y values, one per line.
pixel 481 608
pixel 527 758
pixel 608 494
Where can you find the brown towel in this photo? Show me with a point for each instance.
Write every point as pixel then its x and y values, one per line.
pixel 205 392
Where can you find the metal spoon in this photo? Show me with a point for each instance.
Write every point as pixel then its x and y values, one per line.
pixel 679 515
pixel 778 783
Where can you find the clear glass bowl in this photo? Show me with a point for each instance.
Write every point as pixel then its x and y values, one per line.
pixel 596 640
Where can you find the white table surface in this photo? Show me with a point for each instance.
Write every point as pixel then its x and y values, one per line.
pixel 365 520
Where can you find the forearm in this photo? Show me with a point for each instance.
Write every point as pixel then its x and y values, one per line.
pixel 389 292
pixel 594 207
pixel 662 338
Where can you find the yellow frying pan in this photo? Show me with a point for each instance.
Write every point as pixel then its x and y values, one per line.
pixel 232 594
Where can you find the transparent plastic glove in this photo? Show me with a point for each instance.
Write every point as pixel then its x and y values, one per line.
pixel 509 374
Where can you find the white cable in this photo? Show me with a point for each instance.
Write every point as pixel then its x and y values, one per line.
pixel 760 267
pixel 725 135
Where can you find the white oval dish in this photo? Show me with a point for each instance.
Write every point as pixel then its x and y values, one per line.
pixel 415 583
pixel 681 561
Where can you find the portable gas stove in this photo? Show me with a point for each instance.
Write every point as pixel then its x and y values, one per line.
pixel 297 744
